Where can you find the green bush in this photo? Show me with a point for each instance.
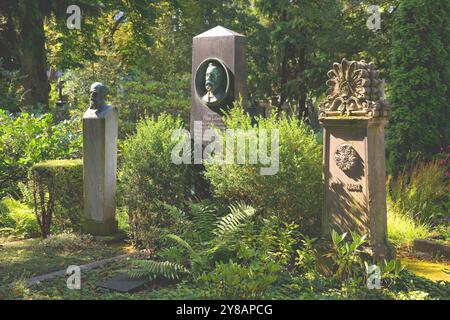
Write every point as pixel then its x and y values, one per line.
pixel 26 139
pixel 17 220
pixel 419 72
pixel 294 193
pixel 148 180
pixel 58 195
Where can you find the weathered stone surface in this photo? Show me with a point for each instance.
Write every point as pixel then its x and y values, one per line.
pixel 220 52
pixel 432 247
pixel 122 283
pixel 353 119
pixel 100 130
pixel 85 267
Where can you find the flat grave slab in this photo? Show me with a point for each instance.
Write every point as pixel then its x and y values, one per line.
pixel 123 283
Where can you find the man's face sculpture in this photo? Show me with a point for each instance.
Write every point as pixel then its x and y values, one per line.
pixel 97 94
pixel 213 78
pixel 212 83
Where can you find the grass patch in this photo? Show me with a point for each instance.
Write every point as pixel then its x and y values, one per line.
pixel 402 229
pixel 412 288
pixel 430 270
pixel 27 258
pixel 56 289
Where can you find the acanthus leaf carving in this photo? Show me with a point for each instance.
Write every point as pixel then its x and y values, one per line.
pixel 354 89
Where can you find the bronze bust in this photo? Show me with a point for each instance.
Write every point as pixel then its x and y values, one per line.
pixel 97 94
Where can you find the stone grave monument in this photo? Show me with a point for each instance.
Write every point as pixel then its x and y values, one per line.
pixel 353 118
pixel 219 76
pixel 100 129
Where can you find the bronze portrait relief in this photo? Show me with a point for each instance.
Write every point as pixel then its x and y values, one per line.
pixel 212 83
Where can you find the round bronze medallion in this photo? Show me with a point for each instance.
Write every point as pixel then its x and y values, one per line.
pixel 213 82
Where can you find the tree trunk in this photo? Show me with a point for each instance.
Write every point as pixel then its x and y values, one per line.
pixel 302 107
pixel 284 66
pixel 29 25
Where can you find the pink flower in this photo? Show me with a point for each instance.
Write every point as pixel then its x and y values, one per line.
pixel 447 174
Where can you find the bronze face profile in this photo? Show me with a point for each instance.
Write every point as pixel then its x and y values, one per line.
pixel 97 96
pixel 213 80
pixel 212 83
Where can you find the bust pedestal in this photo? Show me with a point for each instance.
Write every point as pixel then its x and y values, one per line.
pixel 100 130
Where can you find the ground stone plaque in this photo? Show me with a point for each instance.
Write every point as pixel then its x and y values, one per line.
pixel 353 118
pixel 219 76
pixel 100 130
pixel 123 283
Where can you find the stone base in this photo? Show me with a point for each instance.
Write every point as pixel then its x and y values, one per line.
pixel 432 247
pixel 379 252
pixel 98 228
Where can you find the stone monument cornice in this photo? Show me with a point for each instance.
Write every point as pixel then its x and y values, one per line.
pixel 344 121
pixel 219 31
pixel 354 91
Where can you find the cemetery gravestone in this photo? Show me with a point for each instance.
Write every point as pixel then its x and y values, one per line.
pixel 353 119
pixel 100 130
pixel 219 76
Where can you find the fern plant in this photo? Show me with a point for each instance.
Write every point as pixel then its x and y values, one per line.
pixel 153 269
pixel 196 258
pixel 229 224
pixel 204 218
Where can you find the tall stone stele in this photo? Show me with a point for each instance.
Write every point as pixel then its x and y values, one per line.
pixel 100 129
pixel 219 76
pixel 353 118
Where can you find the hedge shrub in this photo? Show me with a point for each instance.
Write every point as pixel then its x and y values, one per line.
pixel 149 181
pixel 26 139
pixel 58 195
pixel 293 194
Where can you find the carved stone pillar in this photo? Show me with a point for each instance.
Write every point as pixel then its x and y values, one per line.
pixel 353 119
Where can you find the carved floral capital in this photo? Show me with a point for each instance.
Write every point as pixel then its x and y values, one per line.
pixel 354 89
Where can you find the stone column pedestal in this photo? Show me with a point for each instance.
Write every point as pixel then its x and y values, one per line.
pixel 354 180
pixel 353 119
pixel 100 129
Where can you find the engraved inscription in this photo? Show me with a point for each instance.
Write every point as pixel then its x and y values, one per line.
pixel 355 188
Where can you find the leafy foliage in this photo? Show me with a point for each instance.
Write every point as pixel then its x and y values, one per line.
pixel 346 255
pixel 26 139
pixel 230 223
pixel 57 187
pixel 299 175
pixel 134 91
pixel 17 220
pixel 149 181
pixel 420 70
pixel 200 254
pixel 152 269
pixel 422 193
